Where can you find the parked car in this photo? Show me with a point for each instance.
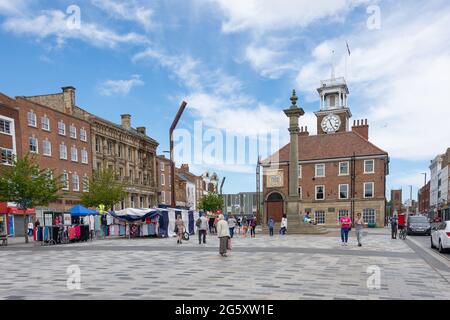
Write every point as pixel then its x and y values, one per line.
pixel 440 236
pixel 418 225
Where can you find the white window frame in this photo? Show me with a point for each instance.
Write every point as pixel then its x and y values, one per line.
pixel 45 123
pixel 300 171
pixel 316 218
pixel 348 168
pixel 62 155
pixel 32 119
pixel 47 143
pixel 75 182
pixel 61 128
pixel 7 157
pixel 6 122
pixel 163 179
pixel 83 134
pixel 316 167
pixel 373 190
pixel 368 212
pixel 72 158
pixel 37 145
pixel 341 213
pixel 339 190
pixel 373 166
pixel 72 131
pixel 84 156
pixel 315 192
pixel 85 183
pixel 162 166
pixel 65 181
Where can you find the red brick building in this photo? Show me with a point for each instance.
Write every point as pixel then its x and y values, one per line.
pixel 396 201
pixel 424 198
pixel 60 140
pixel 339 170
pixel 164 180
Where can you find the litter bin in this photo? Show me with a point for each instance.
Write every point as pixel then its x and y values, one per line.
pixel 372 225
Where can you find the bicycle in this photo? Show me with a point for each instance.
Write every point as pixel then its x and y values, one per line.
pixel 402 234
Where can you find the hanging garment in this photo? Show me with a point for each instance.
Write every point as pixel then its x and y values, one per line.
pixel 78 232
pixel 91 223
pixel 109 219
pixel 122 230
pixel 97 223
pixel 72 233
pixel 152 229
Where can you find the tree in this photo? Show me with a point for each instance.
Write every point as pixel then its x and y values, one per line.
pixel 104 188
pixel 211 202
pixel 26 184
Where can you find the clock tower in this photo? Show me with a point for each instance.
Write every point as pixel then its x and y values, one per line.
pixel 334 113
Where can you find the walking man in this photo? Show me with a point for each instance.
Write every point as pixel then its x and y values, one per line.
pixel 359 226
pixel 202 227
pixel 231 225
pixel 270 224
pixel 394 226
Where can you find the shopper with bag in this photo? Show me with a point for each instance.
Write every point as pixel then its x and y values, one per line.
pixel 223 232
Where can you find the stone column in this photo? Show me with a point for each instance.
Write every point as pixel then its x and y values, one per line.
pixel 293 113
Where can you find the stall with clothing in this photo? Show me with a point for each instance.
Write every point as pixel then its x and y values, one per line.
pixel 134 223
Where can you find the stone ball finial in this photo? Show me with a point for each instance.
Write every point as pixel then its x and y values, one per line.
pixel 294 98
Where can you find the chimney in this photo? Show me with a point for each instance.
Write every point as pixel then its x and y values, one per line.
pixel 304 131
pixel 361 127
pixel 68 99
pixel 126 121
pixel 184 167
pixel 141 130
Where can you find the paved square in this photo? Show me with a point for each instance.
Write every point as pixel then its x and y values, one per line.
pixel 290 267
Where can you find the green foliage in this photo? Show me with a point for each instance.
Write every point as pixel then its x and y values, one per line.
pixel 27 184
pixel 104 188
pixel 211 202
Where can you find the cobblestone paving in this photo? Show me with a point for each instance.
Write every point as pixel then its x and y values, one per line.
pixel 293 267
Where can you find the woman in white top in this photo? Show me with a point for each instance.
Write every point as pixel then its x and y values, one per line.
pixel 223 232
pixel 283 226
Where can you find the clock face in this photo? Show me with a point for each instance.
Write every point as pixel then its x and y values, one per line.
pixel 331 123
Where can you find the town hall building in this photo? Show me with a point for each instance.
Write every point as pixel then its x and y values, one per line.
pixel 327 175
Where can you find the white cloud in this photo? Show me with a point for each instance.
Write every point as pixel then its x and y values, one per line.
pixel 8 7
pixel 130 10
pixel 399 77
pixel 54 23
pixel 279 14
pixel 120 87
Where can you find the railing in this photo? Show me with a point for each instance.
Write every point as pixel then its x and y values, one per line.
pixel 333 82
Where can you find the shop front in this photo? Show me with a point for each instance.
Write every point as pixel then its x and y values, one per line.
pixel 12 219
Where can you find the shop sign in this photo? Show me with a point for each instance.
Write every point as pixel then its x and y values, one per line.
pixel 67 219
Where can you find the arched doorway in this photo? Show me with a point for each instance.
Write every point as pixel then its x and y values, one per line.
pixel 275 206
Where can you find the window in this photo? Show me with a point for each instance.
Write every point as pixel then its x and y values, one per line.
pixel 73 132
pixel 170 180
pixel 343 168
pixel 5 126
pixel 65 181
pixel 83 135
pixel 120 151
pixel 439 182
pixel 129 154
pixel 162 166
pixel 110 147
pixel 6 156
pixel 320 192
pixel 61 128
pixel 63 151
pixel 163 180
pixel 33 145
pixel 85 183
pixel 120 172
pixel 343 191
pixel 342 213
pixel 369 166
pixel 299 194
pixel 98 145
pixel 131 175
pixel 142 202
pixel 84 156
pixel 74 154
pixel 320 170
pixel 319 217
pixel 299 171
pixel 31 119
pixel 75 182
pixel 368 189
pixel 132 201
pixel 45 123
pixel 369 215
pixel 47 147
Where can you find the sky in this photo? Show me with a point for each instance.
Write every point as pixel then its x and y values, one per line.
pixel 235 63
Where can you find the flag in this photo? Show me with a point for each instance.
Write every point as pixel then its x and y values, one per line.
pixel 348 48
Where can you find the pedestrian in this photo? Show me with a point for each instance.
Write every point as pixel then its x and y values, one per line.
pixel 394 226
pixel 283 226
pixel 202 227
pixel 359 227
pixel 211 224
pixel 179 228
pixel 238 222
pixel 270 224
pixel 253 227
pixel 231 225
pixel 346 224
pixel 244 227
pixel 223 232
pixel 30 229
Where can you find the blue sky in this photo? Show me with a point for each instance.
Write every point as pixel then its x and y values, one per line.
pixel 236 63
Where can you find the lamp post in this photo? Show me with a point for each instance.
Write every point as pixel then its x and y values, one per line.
pixel 172 160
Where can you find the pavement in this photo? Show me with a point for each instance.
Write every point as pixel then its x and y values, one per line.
pixel 274 268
